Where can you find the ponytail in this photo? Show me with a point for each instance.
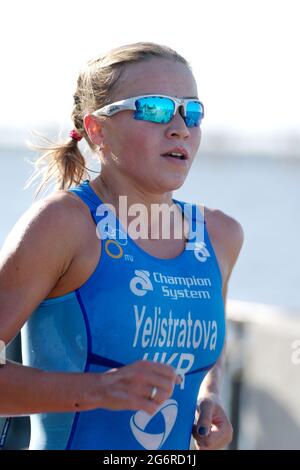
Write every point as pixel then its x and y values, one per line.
pixel 59 162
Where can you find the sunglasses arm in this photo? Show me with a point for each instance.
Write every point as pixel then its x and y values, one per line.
pixel 114 108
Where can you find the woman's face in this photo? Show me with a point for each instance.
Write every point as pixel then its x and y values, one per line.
pixel 133 148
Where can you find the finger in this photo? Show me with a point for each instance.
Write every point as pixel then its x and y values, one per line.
pixel 164 387
pixel 164 376
pixel 205 418
pixel 199 438
pixel 148 372
pixel 160 395
pixel 141 403
pixel 179 379
pixel 164 370
pixel 203 442
pixel 218 438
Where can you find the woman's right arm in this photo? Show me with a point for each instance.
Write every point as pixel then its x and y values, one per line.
pixel 37 252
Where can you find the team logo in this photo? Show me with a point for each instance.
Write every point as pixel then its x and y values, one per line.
pixel 116 238
pixel 141 419
pixel 117 234
pixel 201 252
pixel 141 283
pixel 113 249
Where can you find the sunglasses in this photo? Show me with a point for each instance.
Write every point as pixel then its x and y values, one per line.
pixel 157 108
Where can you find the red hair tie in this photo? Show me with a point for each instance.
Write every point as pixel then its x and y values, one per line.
pixel 75 136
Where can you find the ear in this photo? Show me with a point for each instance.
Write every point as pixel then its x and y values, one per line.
pixel 93 128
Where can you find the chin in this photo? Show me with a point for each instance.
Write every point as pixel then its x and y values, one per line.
pixel 171 184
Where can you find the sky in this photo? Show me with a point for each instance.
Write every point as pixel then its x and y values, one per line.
pixel 244 54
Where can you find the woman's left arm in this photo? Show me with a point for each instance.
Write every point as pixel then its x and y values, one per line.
pixel 213 429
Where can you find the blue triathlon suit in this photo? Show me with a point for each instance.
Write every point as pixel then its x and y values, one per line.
pixel 134 306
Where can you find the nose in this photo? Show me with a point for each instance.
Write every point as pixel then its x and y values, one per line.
pixel 177 127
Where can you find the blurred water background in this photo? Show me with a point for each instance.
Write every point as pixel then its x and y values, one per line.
pixel 261 191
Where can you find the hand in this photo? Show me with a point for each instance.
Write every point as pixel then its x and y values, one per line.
pixel 213 420
pixel 130 387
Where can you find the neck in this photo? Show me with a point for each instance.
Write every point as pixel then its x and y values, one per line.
pixel 110 190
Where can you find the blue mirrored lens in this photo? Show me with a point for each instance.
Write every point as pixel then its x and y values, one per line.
pixel 154 109
pixel 161 110
pixel 194 114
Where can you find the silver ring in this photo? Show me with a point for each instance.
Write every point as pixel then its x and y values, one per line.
pixel 153 393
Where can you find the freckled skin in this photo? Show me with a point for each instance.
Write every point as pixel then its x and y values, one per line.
pixel 132 153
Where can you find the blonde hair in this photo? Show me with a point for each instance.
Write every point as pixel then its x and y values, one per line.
pixel 64 162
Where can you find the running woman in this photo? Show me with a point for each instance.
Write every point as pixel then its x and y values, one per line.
pixel 123 332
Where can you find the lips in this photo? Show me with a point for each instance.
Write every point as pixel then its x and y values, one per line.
pixel 177 152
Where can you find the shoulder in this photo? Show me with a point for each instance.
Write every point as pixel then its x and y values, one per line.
pixel 227 237
pixel 57 219
pixel 59 209
pixel 59 204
